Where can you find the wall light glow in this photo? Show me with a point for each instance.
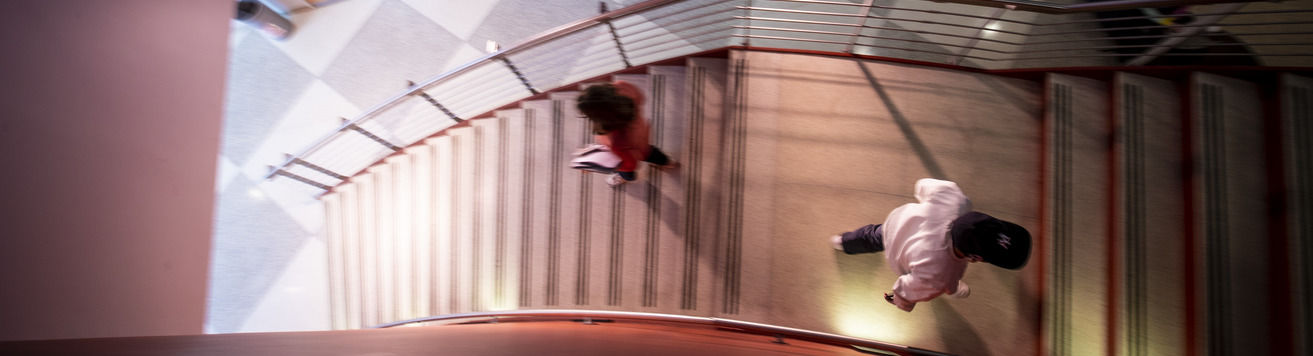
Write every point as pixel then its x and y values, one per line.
pixel 489 298
pixel 868 325
pixel 991 29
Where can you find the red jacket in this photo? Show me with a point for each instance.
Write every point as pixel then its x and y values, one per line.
pixel 630 143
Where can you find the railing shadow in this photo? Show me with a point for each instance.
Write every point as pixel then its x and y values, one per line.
pixel 918 146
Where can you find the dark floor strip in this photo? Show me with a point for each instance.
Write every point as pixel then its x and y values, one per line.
pixel 455 224
pixel 1302 122
pixel 1133 224
pixel 499 263
pixel 526 212
pixel 738 158
pixel 336 275
pixel 692 199
pixel 616 258
pixel 1218 265
pixel 583 252
pixel 1062 200
pixel 652 239
pixel 435 249
pixel 554 214
pixel 476 244
pixel 651 236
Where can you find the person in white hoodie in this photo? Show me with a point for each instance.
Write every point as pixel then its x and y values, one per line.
pixel 929 243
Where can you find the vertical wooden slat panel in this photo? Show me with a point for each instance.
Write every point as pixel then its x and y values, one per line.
pixel 384 251
pixel 333 231
pixel 422 184
pixel 1079 206
pixel 514 201
pixel 1232 212
pixel 570 279
pixel 369 284
pixel 443 229
pixel 538 286
pixel 462 254
pixel 662 242
pixel 1152 212
pixel 489 236
pixel 1297 122
pixel 351 260
pixel 403 264
pixel 706 85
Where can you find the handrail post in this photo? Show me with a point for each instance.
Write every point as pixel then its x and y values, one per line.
pixel 747 14
pixel 601 9
pixel 372 136
pixel 319 169
pixel 435 103
pixel 861 26
pixel 517 73
pixel 615 36
pixel 301 179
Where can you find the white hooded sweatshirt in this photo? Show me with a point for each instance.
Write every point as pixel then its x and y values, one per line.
pixel 917 245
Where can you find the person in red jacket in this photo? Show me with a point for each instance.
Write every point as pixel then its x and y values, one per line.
pixel 613 111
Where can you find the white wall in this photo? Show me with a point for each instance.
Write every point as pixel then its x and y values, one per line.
pixel 110 116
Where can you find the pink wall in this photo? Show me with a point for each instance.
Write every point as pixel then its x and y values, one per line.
pixel 110 114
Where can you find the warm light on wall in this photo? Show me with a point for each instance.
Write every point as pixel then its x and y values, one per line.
pixel 991 29
pixel 490 301
pixel 868 324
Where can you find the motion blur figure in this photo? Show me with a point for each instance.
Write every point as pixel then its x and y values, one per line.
pixel 612 109
pixel 929 243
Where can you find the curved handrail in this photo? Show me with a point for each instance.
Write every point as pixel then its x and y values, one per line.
pixel 747 326
pixel 982 45
pixel 1051 8
pixel 520 47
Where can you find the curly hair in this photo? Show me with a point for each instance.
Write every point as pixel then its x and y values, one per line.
pixel 606 108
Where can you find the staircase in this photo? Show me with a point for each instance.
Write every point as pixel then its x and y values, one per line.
pixel 1174 212
pixel 489 217
pixel 1151 198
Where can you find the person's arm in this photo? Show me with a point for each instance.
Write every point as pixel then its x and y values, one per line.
pixel 910 289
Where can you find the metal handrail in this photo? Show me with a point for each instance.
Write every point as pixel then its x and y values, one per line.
pixel 537 62
pixel 924 11
pixel 1192 25
pixel 854 15
pixel 530 43
pixel 589 315
pixel 1050 8
pixel 781 29
pixel 868 36
pixel 1194 14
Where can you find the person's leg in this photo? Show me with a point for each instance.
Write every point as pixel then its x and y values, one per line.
pixel 866 239
pixel 656 157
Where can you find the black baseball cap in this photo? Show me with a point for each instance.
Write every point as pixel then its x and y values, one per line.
pixel 999 242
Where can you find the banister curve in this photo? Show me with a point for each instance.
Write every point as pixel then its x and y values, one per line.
pixel 747 326
pixel 572 28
